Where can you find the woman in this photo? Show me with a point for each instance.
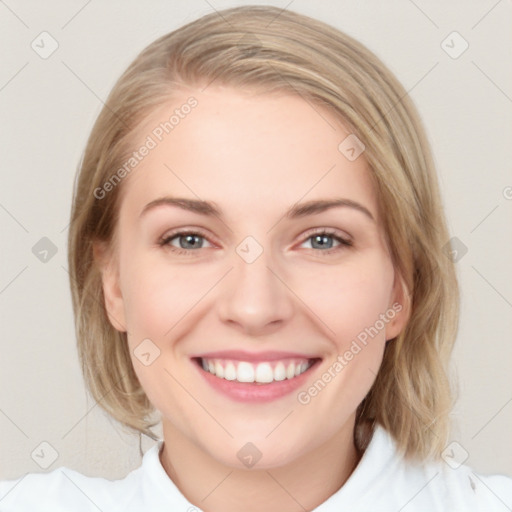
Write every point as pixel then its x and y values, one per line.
pixel 256 253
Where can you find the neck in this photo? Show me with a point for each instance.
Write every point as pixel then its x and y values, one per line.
pixel 302 484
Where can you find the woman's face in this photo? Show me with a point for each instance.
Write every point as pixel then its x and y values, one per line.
pixel 236 282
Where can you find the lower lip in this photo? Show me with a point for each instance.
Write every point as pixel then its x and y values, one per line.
pixel 252 391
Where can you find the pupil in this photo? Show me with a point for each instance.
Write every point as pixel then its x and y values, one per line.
pixel 324 240
pixel 321 240
pixel 189 239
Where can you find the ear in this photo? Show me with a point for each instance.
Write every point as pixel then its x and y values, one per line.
pixel 400 304
pixel 109 268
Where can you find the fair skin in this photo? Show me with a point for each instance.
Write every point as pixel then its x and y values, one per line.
pixel 254 157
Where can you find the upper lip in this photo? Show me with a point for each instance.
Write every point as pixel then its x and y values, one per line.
pixel 241 355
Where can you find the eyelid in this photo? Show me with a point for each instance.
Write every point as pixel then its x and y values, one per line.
pixel 336 233
pixel 202 232
pixel 343 245
pixel 344 239
pixel 188 230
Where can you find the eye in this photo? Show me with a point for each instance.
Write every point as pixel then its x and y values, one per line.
pixel 324 240
pixel 188 241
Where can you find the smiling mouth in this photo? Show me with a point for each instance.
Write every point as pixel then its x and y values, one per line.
pixel 264 372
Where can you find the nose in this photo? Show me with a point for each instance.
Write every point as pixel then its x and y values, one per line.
pixel 254 296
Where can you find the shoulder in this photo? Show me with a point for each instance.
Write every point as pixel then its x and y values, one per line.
pixel 455 487
pixel 494 492
pixel 450 485
pixel 145 488
pixel 64 489
pixel 384 481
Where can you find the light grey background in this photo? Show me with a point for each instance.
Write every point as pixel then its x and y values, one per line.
pixel 48 106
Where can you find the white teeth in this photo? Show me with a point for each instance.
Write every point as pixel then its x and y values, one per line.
pixel 263 373
pixel 245 372
pixel 219 370
pixel 279 371
pixel 230 372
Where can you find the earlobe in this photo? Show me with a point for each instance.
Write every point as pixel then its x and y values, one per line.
pixel 113 297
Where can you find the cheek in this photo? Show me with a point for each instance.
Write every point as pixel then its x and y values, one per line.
pixel 346 298
pixel 349 299
pixel 157 296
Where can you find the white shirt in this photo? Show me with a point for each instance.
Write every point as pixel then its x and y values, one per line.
pixel 381 482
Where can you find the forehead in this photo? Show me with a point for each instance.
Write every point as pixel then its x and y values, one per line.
pixel 246 151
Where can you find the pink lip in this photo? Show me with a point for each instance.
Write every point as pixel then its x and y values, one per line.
pixel 253 392
pixel 241 355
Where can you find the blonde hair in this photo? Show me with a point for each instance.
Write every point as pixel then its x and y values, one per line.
pixel 265 48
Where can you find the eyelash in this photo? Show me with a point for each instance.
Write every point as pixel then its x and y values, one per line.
pixel 343 242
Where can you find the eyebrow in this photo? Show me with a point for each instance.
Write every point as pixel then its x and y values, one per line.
pixel 209 209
